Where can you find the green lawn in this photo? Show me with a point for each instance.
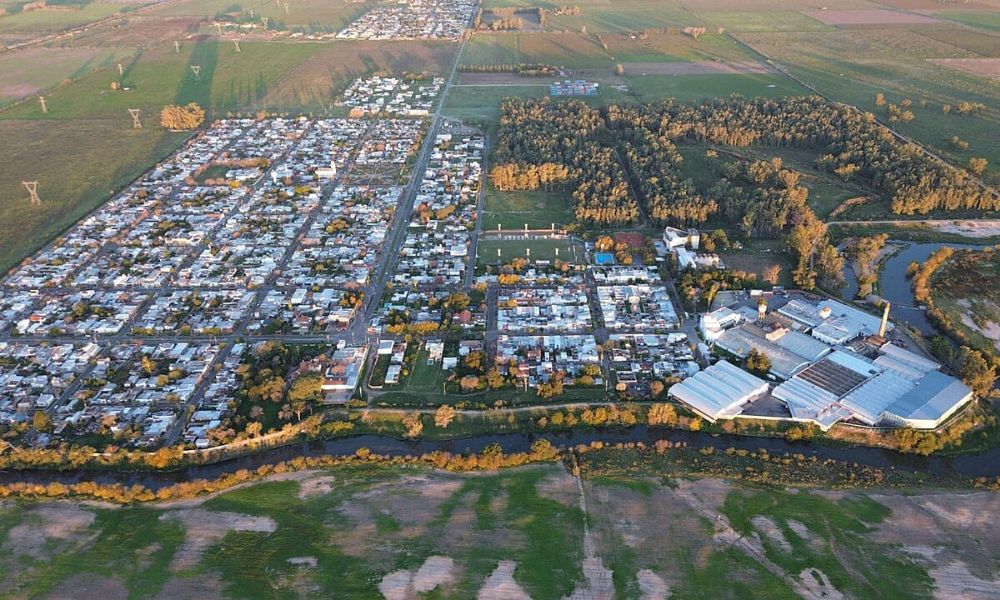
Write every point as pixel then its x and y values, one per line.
pixel 425 377
pixel 482 102
pixel 540 250
pixel 539 210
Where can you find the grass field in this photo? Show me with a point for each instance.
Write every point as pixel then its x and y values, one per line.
pixel 78 165
pixel 28 72
pixel 314 16
pixel 540 250
pixel 228 81
pixel 975 18
pixel 374 531
pixel 512 210
pixel 55 19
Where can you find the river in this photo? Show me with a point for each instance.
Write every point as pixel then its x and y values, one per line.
pixel 985 464
pixel 895 286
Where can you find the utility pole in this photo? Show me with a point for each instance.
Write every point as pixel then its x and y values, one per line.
pixel 196 69
pixel 177 46
pixel 45 108
pixel 136 124
pixel 32 187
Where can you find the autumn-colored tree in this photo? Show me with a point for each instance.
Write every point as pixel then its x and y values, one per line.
pixel 977 165
pixel 182 117
pixel 656 388
pixel 414 426
pixel 662 414
pixel 772 273
pixel 444 415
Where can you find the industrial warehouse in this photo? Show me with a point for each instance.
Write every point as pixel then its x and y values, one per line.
pixel 829 362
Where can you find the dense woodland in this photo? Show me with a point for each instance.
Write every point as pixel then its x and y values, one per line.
pixel 620 159
pixel 598 147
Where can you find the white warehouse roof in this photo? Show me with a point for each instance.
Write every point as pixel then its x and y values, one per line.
pixel 718 391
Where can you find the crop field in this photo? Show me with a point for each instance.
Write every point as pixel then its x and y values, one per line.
pixel 93 157
pixel 512 210
pixel 538 532
pixel 51 20
pixel 676 47
pixel 315 15
pixel 853 66
pixel 27 72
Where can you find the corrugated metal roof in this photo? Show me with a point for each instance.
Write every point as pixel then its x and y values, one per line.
pixel 718 390
pixel 934 397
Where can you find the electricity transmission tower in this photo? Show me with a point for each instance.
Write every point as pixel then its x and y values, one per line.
pixel 136 124
pixel 196 69
pixel 32 187
pixel 177 46
pixel 45 107
pixel 237 44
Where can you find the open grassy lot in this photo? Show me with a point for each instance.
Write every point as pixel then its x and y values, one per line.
pixel 54 19
pixel 512 210
pixel 571 50
pixel 78 165
pixel 27 72
pixel 358 532
pixel 781 20
pixel 758 255
pixel 624 530
pixel 482 102
pixel 698 87
pixel 675 46
pixel 228 81
pixel 544 249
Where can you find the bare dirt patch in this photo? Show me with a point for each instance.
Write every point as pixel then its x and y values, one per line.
pixel 87 586
pixel 869 17
pixel 698 67
pixel 49 528
pixel 770 529
pixel 819 585
pixel 500 585
pixel 196 587
pixel 972 229
pixel 203 528
pixel 559 486
pixel 952 534
pixel 652 586
pixel 316 486
pixel 406 585
pixel 980 67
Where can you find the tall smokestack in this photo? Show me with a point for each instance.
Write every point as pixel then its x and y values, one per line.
pixel 761 309
pixel 885 319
